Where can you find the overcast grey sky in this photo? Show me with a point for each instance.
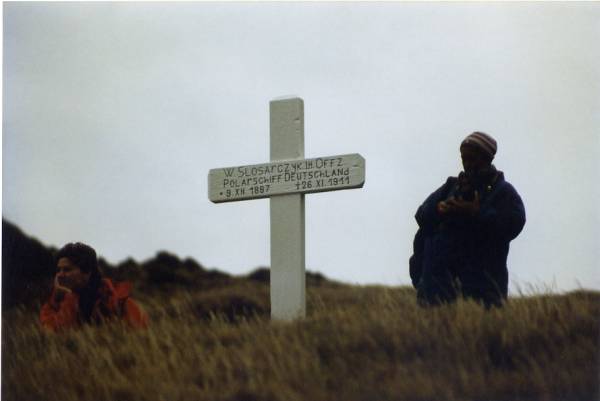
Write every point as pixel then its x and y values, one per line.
pixel 113 114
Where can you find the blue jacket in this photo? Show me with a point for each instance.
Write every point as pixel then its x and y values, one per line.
pixel 468 250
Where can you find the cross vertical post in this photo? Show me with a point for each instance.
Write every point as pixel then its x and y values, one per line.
pixel 288 282
pixel 285 181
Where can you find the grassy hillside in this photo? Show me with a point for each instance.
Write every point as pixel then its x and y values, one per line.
pixel 357 343
pixel 211 339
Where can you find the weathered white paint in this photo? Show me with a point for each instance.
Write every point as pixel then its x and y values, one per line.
pixel 288 287
pixel 320 174
pixel 288 277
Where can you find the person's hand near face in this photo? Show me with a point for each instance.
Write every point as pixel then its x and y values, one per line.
pixel 69 278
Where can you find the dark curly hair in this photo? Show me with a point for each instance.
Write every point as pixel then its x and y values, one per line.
pixel 82 255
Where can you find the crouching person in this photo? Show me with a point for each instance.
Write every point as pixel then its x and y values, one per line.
pixel 81 295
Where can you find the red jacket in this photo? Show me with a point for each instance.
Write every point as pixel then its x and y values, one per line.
pixel 112 302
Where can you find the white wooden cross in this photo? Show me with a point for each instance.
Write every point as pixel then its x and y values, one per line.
pixel 285 181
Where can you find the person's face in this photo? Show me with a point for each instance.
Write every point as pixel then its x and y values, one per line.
pixel 70 275
pixel 472 159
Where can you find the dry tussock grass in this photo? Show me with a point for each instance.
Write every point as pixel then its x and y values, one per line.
pixel 357 343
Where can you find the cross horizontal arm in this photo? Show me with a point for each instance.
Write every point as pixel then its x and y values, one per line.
pixel 320 174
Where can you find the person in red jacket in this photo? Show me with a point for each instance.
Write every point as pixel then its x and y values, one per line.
pixel 81 295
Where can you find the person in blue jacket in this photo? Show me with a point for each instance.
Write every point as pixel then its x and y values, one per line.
pixel 465 228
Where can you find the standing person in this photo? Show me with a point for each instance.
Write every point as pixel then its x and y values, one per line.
pixel 465 228
pixel 80 294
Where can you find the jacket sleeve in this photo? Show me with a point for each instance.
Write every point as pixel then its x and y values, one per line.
pixel 428 218
pixel 415 263
pixel 56 316
pixel 134 315
pixel 427 215
pixel 505 216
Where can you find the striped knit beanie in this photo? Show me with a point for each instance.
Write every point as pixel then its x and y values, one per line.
pixel 482 141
